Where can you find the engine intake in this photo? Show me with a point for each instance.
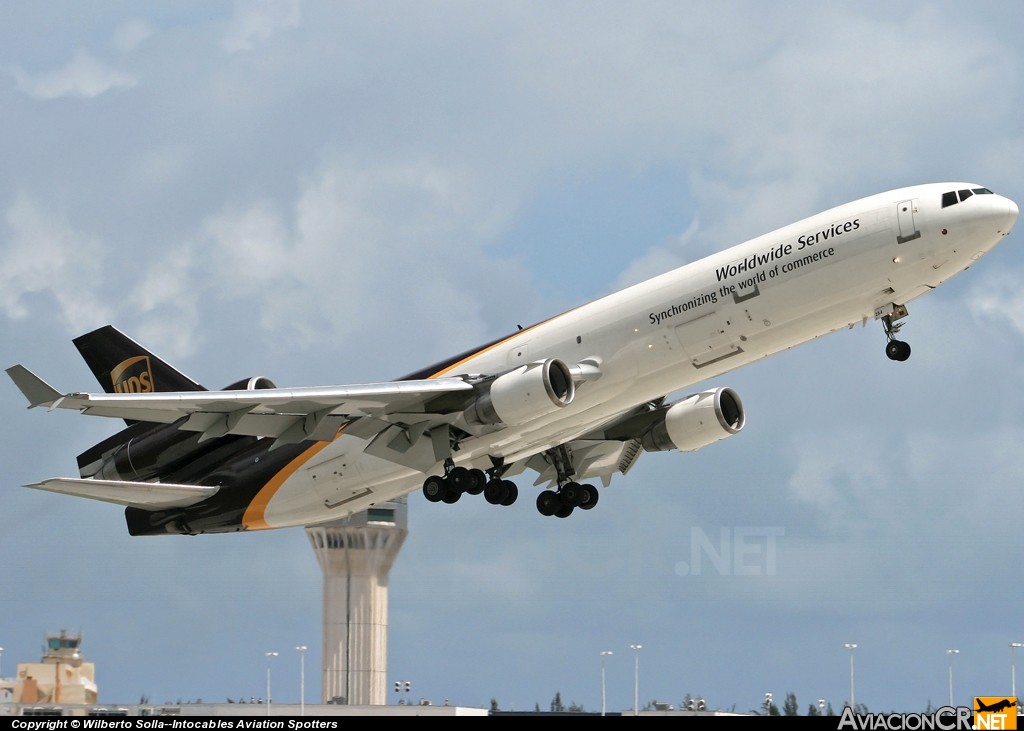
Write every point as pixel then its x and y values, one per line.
pixel 697 421
pixel 529 391
pixel 251 384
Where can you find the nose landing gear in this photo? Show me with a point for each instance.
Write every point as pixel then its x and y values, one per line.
pixel 895 349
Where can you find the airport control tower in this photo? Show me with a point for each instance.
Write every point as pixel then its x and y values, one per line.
pixel 356 555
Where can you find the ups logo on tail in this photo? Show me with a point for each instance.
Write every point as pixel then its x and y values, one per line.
pixel 133 375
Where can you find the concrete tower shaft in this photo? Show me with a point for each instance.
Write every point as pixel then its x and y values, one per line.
pixel 356 555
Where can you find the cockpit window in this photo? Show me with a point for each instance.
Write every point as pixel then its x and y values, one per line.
pixel 952 197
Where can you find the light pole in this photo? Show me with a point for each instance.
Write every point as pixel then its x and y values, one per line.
pixel 851 647
pixel 269 655
pixel 399 685
pixel 1 662
pixel 302 679
pixel 1013 667
pixel 950 653
pixel 604 654
pixel 636 679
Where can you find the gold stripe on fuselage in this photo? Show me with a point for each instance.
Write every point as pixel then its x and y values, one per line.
pixel 254 517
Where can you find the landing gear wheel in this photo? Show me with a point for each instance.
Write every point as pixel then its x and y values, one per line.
pixel 564 511
pixel 434 488
pixel 461 479
pixel 512 492
pixel 548 502
pixel 897 350
pixel 495 492
pixel 477 481
pixel 451 494
pixel 572 494
pixel 590 496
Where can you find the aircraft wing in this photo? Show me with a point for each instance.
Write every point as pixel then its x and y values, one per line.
pixel 287 414
pixel 593 459
pixel 148 495
pixel 612 448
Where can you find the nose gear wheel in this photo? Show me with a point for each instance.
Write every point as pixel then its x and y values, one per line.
pixel 895 349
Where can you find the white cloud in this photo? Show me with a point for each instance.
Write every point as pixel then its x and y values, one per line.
pixel 131 34
pixel 253 246
pixel 1000 299
pixel 255 21
pixel 44 254
pixel 164 298
pixel 832 474
pixel 663 257
pixel 358 246
pixel 83 77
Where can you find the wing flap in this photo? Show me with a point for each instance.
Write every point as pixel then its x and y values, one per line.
pixel 594 459
pixel 612 448
pixel 417 446
pixel 146 495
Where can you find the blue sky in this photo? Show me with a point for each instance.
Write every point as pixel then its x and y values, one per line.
pixel 328 193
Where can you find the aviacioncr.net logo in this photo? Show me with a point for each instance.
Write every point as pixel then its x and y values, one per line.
pixel 946 718
pixel 995 712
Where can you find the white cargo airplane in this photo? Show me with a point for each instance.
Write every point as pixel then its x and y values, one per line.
pixel 579 396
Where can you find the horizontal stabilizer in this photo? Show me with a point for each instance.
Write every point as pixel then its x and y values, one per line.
pixel 145 495
pixel 36 390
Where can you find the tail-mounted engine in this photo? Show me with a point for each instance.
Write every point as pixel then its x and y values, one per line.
pixel 697 421
pixel 251 384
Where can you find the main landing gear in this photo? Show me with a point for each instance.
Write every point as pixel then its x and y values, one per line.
pixel 459 480
pixel 497 491
pixel 567 498
pixel 895 349
pixel 570 494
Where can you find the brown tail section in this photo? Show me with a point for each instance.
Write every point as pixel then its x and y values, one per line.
pixel 123 366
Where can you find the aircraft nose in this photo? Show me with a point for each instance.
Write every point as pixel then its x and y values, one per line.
pixel 1011 214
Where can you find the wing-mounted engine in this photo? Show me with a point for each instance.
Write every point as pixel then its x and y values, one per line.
pixel 696 421
pixel 529 391
pixel 144 451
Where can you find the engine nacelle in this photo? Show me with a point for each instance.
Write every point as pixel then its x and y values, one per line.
pixel 697 421
pixel 529 391
pixel 251 384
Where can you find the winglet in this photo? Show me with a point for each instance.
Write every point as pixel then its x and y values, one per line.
pixel 36 390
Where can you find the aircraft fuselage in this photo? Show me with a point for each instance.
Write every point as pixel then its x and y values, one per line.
pixel 578 396
pixel 831 271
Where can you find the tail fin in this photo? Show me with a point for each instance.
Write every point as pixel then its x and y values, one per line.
pixel 123 366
